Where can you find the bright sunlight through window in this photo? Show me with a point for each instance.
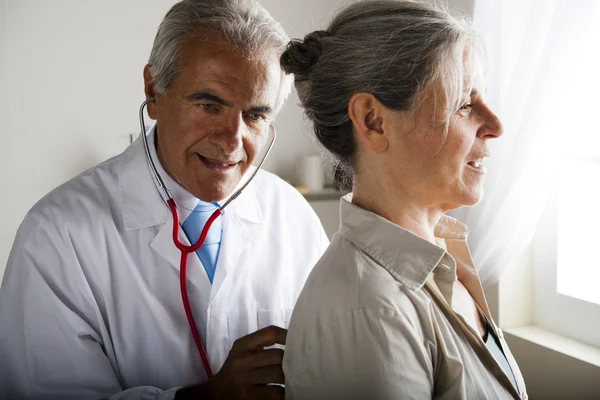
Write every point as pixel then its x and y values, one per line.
pixel 578 255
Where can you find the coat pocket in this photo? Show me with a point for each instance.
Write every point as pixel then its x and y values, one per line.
pixel 280 318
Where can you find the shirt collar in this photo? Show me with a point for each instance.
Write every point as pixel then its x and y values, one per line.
pixel 407 257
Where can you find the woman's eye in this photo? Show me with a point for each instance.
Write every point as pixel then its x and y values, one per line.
pixel 466 107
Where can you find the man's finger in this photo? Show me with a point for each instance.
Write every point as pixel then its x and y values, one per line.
pixel 265 358
pixel 263 337
pixel 265 375
pixel 244 361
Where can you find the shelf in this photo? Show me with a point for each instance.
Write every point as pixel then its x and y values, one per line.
pixel 323 195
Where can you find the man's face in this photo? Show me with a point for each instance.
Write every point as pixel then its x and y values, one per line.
pixel 215 118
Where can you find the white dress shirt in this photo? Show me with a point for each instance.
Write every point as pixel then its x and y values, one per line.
pixel 375 319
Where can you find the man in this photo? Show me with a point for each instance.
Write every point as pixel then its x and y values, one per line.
pixel 90 305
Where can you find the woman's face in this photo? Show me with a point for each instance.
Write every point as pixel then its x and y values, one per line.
pixel 438 169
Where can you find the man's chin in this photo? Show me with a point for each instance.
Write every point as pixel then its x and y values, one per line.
pixel 218 192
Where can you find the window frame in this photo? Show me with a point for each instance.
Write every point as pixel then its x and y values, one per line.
pixel 553 311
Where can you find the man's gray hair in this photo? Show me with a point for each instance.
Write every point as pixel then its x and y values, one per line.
pixel 244 23
pixel 393 49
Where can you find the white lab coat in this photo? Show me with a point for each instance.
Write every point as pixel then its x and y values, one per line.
pixel 90 305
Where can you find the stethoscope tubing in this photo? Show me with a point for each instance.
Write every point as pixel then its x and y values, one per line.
pixel 187 249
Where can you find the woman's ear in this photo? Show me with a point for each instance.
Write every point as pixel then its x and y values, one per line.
pixel 150 91
pixel 367 115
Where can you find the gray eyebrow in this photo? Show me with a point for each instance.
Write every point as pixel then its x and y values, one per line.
pixel 262 109
pixel 206 95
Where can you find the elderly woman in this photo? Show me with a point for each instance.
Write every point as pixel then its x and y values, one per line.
pixel 394 309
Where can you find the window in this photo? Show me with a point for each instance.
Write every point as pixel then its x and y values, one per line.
pixel 567 244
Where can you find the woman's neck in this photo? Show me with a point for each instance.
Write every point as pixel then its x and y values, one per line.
pixel 397 207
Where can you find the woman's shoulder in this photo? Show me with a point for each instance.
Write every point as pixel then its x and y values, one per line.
pixel 354 318
pixel 347 282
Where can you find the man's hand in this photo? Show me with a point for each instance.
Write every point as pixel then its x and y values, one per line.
pixel 247 370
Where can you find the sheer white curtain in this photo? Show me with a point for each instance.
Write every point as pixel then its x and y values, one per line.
pixel 531 45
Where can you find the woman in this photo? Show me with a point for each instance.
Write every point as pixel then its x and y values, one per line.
pixel 394 309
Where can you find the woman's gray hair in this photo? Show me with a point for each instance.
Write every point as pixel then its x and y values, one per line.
pixel 244 23
pixel 393 49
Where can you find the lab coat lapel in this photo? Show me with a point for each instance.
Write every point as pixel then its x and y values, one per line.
pixel 143 207
pixel 242 220
pixel 196 275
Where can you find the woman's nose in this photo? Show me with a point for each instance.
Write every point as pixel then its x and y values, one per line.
pixel 491 127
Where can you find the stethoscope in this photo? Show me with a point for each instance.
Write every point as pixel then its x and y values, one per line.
pixel 186 250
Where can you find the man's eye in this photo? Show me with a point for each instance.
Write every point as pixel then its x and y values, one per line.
pixel 207 107
pixel 255 117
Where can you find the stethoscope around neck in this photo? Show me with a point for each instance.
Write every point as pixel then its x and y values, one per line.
pixel 187 249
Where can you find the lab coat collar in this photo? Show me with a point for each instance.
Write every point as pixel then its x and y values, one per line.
pixel 143 205
pixel 408 258
pixel 185 201
pixel 246 206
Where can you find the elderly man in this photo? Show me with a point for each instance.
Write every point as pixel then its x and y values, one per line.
pixel 90 305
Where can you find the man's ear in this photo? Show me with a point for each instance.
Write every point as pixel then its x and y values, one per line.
pixel 367 115
pixel 150 91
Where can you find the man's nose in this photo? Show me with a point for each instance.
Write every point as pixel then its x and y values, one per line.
pixel 229 136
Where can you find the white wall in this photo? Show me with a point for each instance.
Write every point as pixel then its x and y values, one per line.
pixel 465 6
pixel 298 17
pixel 71 75
pixel 8 220
pixel 6 182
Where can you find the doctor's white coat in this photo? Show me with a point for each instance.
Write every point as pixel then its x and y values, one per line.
pixel 90 306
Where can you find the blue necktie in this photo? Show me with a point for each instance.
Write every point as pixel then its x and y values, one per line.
pixel 193 225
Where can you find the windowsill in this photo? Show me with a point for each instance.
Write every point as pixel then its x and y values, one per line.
pixel 558 343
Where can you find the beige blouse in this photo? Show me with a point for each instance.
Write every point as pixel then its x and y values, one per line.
pixel 375 319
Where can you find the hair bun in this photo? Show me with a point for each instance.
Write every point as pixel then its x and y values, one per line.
pixel 301 56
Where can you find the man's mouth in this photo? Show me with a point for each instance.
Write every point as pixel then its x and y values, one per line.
pixel 216 164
